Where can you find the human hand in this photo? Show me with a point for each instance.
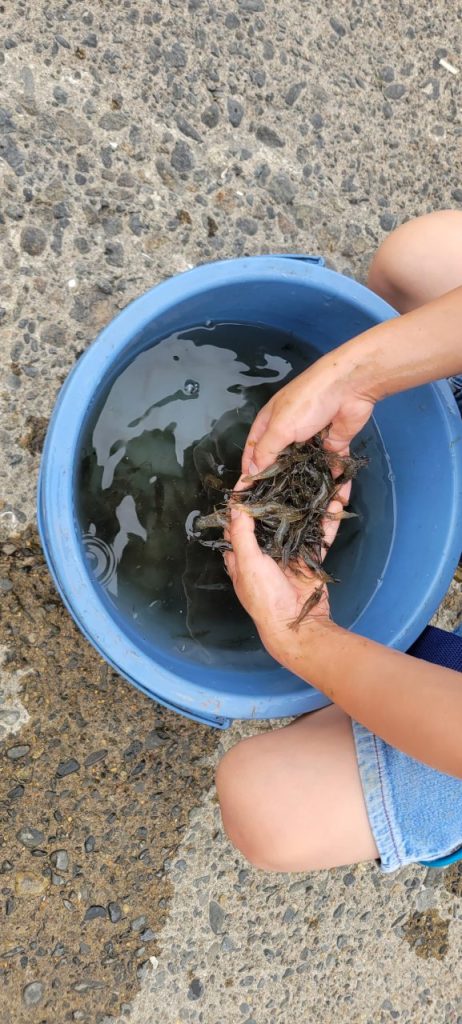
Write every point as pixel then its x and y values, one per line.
pixel 273 597
pixel 324 395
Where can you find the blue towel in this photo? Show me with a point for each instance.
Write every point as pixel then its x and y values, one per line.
pixel 439 647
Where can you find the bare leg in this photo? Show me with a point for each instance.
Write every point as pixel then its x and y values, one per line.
pixel 291 799
pixel 419 261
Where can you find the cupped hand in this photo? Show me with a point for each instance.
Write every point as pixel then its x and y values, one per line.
pixel 274 597
pixel 322 396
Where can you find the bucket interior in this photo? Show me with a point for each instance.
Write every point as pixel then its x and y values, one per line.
pixel 317 320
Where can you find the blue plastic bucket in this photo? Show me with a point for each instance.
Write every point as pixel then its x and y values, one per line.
pixel 412 496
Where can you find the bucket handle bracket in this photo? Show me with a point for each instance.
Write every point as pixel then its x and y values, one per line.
pixel 318 261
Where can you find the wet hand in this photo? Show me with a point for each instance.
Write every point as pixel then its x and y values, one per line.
pixel 322 396
pixel 273 597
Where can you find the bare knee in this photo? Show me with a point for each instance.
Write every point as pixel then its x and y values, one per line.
pixel 292 799
pixel 386 273
pixel 249 818
pixel 419 261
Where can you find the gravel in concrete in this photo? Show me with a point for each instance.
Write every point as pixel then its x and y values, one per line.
pixel 138 140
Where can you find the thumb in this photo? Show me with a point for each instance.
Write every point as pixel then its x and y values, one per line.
pixel 266 450
pixel 243 540
pixel 256 432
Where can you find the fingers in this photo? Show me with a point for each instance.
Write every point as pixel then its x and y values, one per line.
pixel 258 428
pixel 266 450
pixel 229 559
pixel 259 451
pixel 331 525
pixel 336 466
pixel 343 493
pixel 336 441
pixel 242 537
pixel 241 484
pixel 339 445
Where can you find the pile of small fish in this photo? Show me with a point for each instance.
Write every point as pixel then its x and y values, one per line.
pixel 289 501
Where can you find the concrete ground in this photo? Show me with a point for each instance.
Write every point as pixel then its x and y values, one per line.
pixel 138 139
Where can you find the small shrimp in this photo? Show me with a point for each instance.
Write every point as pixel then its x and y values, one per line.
pixel 213 483
pixel 289 502
pixel 264 474
pixel 215 520
pixel 311 603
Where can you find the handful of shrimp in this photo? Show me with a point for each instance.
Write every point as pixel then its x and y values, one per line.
pixel 289 502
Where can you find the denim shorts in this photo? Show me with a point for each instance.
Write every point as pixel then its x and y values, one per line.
pixel 414 811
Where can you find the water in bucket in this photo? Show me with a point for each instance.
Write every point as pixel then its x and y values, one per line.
pixel 164 443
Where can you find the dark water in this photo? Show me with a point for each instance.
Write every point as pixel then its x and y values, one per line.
pixel 164 440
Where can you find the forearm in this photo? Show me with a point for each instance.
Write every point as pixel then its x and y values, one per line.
pixel 413 349
pixel 412 704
